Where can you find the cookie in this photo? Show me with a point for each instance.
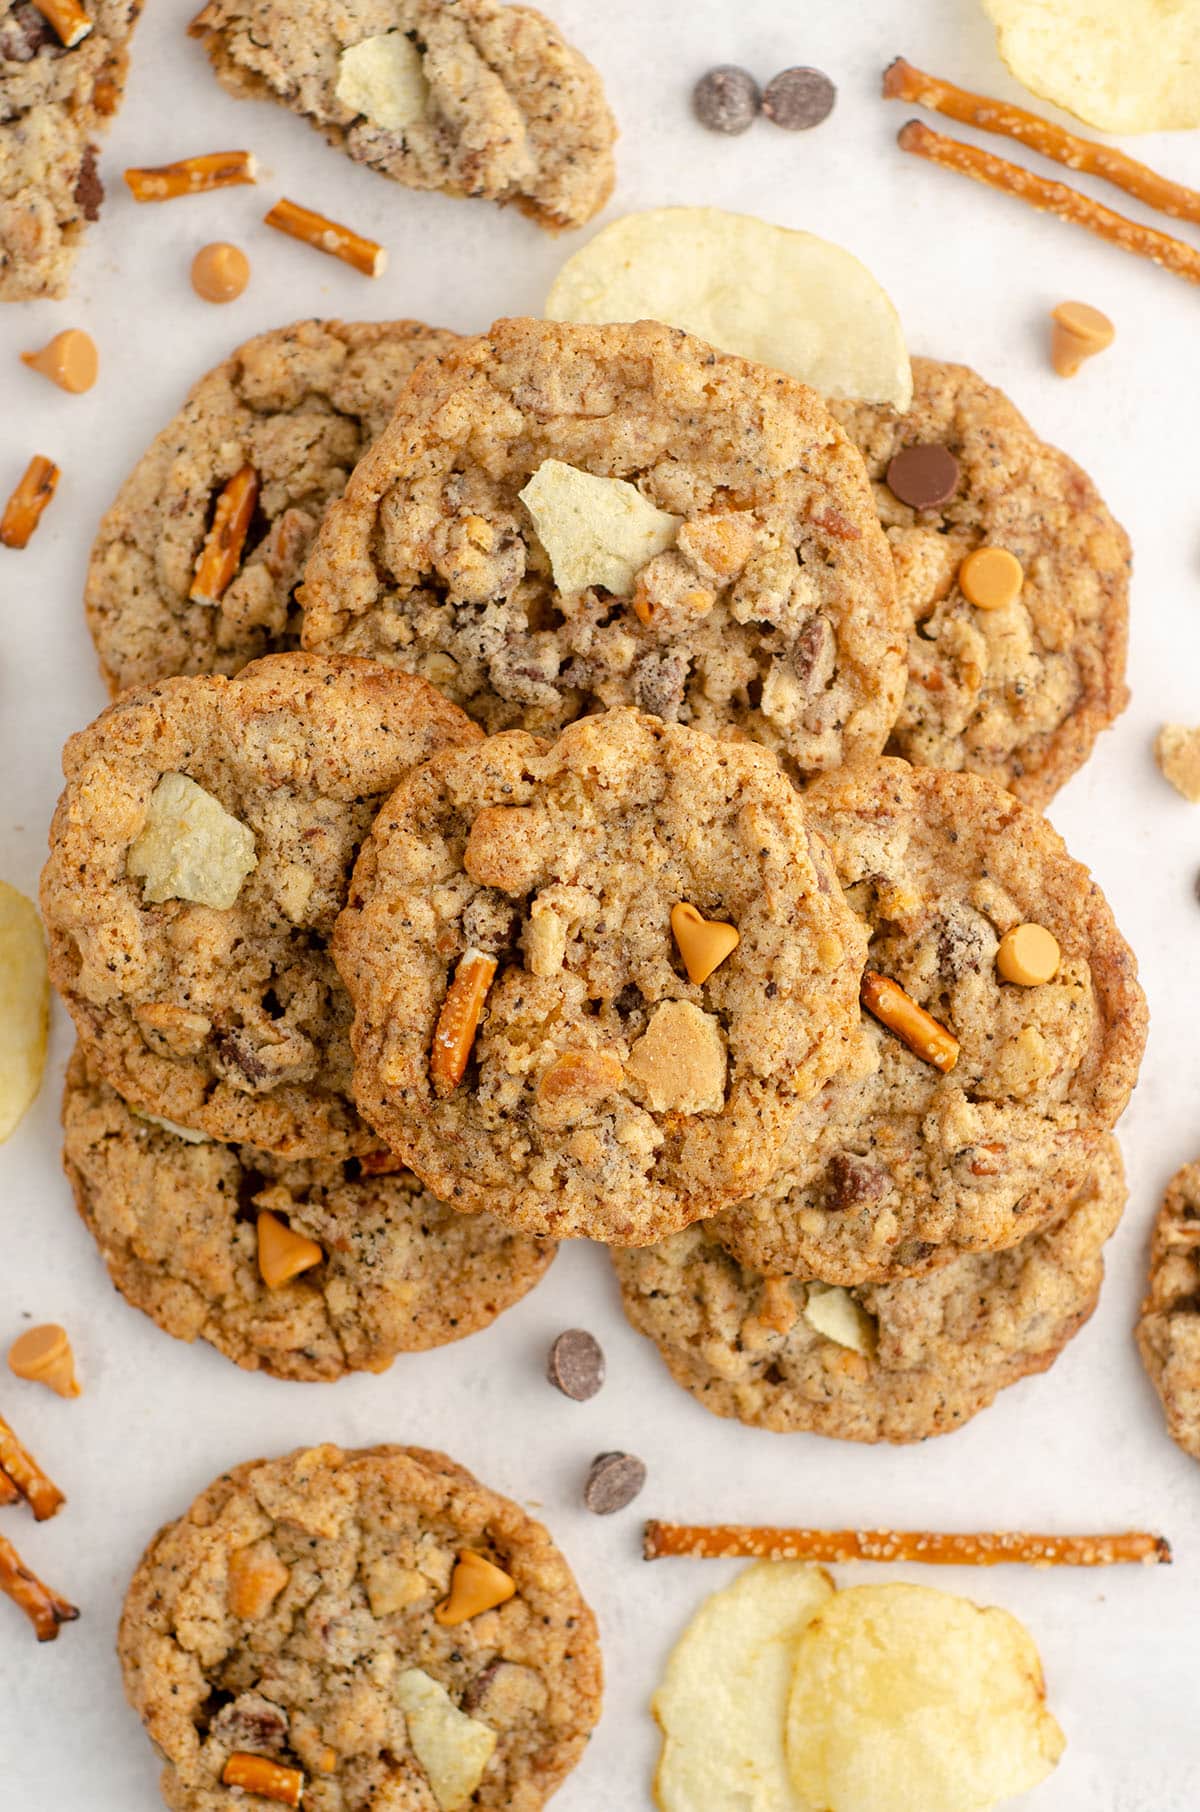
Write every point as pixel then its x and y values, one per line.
pixel 199 856
pixel 55 103
pixel 526 1034
pixel 931 1351
pixel 1168 1330
pixel 893 1171
pixel 299 405
pixel 733 577
pixel 1017 692
pixel 292 1614
pixel 465 96
pixel 176 1223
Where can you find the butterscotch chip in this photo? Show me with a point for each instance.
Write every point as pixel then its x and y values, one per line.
pixel 220 272
pixel 476 1585
pixel 991 578
pixel 493 1713
pixel 703 943
pixel 69 360
pixel 607 1095
pixel 1177 752
pixel 1079 333
pixel 43 1355
pixel 1028 955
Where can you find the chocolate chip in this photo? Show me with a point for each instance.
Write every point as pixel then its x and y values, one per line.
pixel 799 98
pixel 923 476
pixel 575 1365
pixel 89 190
pixel 726 99
pixel 23 34
pixel 613 1480
pixel 853 1181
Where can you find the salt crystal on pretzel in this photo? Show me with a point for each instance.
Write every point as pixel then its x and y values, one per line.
pixel 733 1541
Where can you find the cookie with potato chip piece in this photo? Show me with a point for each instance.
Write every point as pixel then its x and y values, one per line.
pixel 561 519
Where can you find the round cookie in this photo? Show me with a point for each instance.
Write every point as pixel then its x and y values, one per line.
pixel 892 1171
pixel 290 1615
pixel 1168 1330
pixel 300 405
pixel 175 1221
pixel 931 1351
pixel 199 856
pixel 602 1093
pixel 1019 692
pixel 754 599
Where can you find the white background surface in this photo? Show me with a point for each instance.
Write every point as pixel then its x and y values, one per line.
pixel 973 275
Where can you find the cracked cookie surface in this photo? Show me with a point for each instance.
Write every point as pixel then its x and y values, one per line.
pixel 299 404
pixel 230 1019
pixel 1018 693
pixel 509 111
pixel 938 1348
pixel 175 1222
pixel 279 1615
pixel 892 1172
pixel 772 616
pixel 55 104
pixel 601 1093
pixel 1168 1329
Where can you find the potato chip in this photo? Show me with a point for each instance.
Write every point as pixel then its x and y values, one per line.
pixel 1121 65
pixel 190 847
pixel 24 1005
pixel 595 530
pixel 723 1701
pixel 832 1311
pixel 452 1748
pixel 906 1699
pixel 785 298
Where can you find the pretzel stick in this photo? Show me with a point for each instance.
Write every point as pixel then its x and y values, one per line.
pixel 327 236
pixel 40 1493
pixel 192 175
pixel 69 20
pixel 23 511
pixel 731 1541
pixel 221 554
pixel 901 82
pixel 1051 198
pixel 44 1608
pixel 8 1491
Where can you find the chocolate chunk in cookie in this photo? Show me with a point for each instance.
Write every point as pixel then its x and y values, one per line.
pixel 1168 1331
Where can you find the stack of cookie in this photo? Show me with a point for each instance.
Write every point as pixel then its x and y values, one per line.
pixel 568 880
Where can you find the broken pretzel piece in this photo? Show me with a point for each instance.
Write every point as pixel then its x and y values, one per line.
pixel 454 1034
pixel 40 1493
pixel 44 1608
pixel 259 1774
pixel 8 1491
pixel 364 255
pixel 192 175
pixel 919 1030
pixel 68 19
pixel 23 511
pixel 221 554
pixel 733 1541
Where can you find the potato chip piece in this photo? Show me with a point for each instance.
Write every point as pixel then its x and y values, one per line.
pixel 453 1749
pixel 723 1701
pixel 596 531
pixel 1121 65
pixel 906 1699
pixel 190 847
pixel 24 1005
pixel 382 78
pixel 833 1312
pixel 785 298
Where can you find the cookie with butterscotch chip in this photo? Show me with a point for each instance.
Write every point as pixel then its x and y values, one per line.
pixel 893 1361
pixel 199 857
pixel 527 1033
pixel 1012 685
pixel 561 519
pixel 351 1630
pixel 298 405
pixel 1168 1330
pixel 980 921
pixel 176 1218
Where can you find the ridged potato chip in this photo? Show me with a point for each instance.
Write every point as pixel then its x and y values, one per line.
pixel 784 298
pixel 1121 65
pixel 906 1699
pixel 723 1700
pixel 24 1005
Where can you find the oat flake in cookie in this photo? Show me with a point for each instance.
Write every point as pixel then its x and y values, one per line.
pixel 299 405
pixel 198 859
pixel 891 1173
pixel 175 1219
pixel 887 1362
pixel 55 105
pixel 599 1092
pixel 716 555
pixel 1017 693
pixel 292 1615
pixel 466 96
pixel 1168 1332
